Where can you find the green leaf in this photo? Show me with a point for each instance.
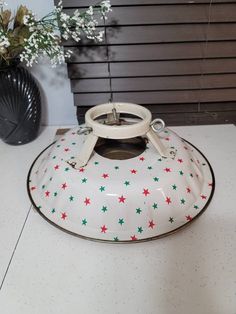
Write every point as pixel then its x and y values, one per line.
pixel 5 19
pixel 21 12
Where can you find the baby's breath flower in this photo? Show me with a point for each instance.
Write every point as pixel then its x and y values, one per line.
pixel 4 42
pixel 44 38
pixel 2 3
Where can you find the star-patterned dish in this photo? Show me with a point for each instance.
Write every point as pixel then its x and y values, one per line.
pixel 161 188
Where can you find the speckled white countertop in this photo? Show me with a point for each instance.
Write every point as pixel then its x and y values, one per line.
pixel 43 270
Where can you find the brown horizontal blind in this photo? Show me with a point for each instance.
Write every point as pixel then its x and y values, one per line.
pixel 176 57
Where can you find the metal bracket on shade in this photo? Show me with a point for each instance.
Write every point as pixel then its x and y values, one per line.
pixel 145 127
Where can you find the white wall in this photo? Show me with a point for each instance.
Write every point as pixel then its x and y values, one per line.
pixel 57 100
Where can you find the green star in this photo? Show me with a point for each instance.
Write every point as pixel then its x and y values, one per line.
pixel 156 179
pixel 73 143
pixel 171 220
pixel 149 167
pixel 43 186
pixel 159 159
pixel 67 169
pixel 166 132
pixel 195 207
pixel 84 180
pixel 181 172
pixel 121 221
pixel 55 194
pixel 102 188
pixel 138 210
pixel 116 239
pixel 182 201
pixel 155 206
pixel 53 210
pixel 96 163
pixel 104 208
pixel 127 183
pixel 54 157
pixel 71 198
pixel 72 157
pixel 50 179
pixel 58 145
pixel 140 229
pixel 39 207
pixel 174 187
pixel 117 167
pixel 191 175
pixel 84 222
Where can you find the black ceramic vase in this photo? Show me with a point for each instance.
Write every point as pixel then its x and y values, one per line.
pixel 20 106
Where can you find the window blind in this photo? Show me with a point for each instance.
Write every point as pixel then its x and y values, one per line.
pixel 176 57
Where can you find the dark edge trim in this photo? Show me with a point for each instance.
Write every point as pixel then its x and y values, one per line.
pixel 124 241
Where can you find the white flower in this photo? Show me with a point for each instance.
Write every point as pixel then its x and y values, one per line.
pixel 26 19
pixel 4 42
pixel 3 3
pixel 100 36
pixel 105 6
pixel 44 36
pixel 90 11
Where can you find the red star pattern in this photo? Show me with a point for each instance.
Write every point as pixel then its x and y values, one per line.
pixel 87 201
pixel 64 186
pixel 122 199
pixel 168 200
pixel 63 216
pixel 146 192
pixel 103 229
pixel 151 224
pixel 105 175
pixel 189 218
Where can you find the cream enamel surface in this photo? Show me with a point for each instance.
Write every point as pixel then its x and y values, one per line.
pixel 192 271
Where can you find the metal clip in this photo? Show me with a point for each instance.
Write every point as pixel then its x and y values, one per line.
pixel 84 130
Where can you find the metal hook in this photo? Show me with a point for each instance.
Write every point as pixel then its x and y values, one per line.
pixel 157 125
